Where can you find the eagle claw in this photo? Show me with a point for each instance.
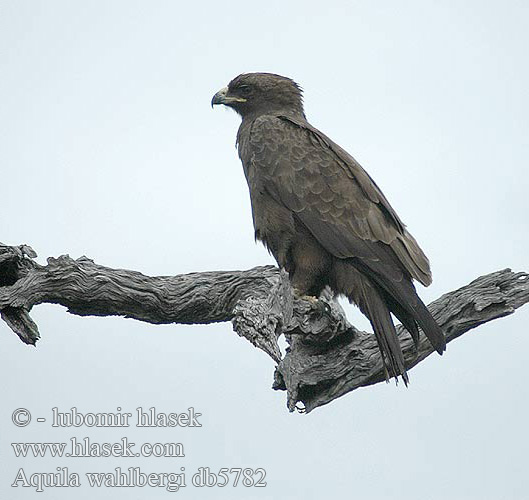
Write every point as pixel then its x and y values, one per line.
pixel 316 304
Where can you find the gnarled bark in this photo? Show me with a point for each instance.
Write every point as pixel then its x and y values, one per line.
pixel 327 357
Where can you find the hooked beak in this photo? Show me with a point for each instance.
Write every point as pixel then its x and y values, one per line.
pixel 222 97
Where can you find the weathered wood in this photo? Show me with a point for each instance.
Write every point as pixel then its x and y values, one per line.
pixel 315 373
pixel 327 357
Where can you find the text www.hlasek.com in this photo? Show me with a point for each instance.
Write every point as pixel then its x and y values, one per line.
pixel 87 448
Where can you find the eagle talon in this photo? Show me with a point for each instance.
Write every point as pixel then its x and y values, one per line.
pixel 314 301
pixel 317 305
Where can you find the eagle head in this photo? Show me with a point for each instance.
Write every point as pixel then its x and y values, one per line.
pixel 254 94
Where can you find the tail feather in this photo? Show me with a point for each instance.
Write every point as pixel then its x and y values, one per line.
pixel 429 326
pixel 378 313
pixel 404 317
pixel 379 296
pixel 404 301
pixel 409 304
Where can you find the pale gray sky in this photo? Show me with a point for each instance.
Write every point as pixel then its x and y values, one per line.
pixel 105 114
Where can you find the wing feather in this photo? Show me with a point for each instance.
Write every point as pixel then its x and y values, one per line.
pixel 333 196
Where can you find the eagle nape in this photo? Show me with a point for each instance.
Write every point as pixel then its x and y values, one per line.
pixel 323 218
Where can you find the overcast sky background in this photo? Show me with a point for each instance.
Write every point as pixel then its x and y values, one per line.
pixel 109 149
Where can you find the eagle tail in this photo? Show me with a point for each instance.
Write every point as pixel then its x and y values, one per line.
pixel 377 311
pixel 411 311
pixel 403 301
pixel 378 297
pixel 428 325
pixel 406 319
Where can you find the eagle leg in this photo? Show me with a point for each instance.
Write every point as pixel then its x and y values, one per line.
pixel 308 264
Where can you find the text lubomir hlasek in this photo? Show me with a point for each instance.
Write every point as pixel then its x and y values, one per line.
pixel 144 418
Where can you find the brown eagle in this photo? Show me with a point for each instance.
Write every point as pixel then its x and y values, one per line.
pixel 323 218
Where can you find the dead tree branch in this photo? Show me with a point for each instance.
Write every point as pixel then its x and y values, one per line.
pixel 327 357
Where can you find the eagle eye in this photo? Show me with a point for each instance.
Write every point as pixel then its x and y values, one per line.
pixel 245 90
